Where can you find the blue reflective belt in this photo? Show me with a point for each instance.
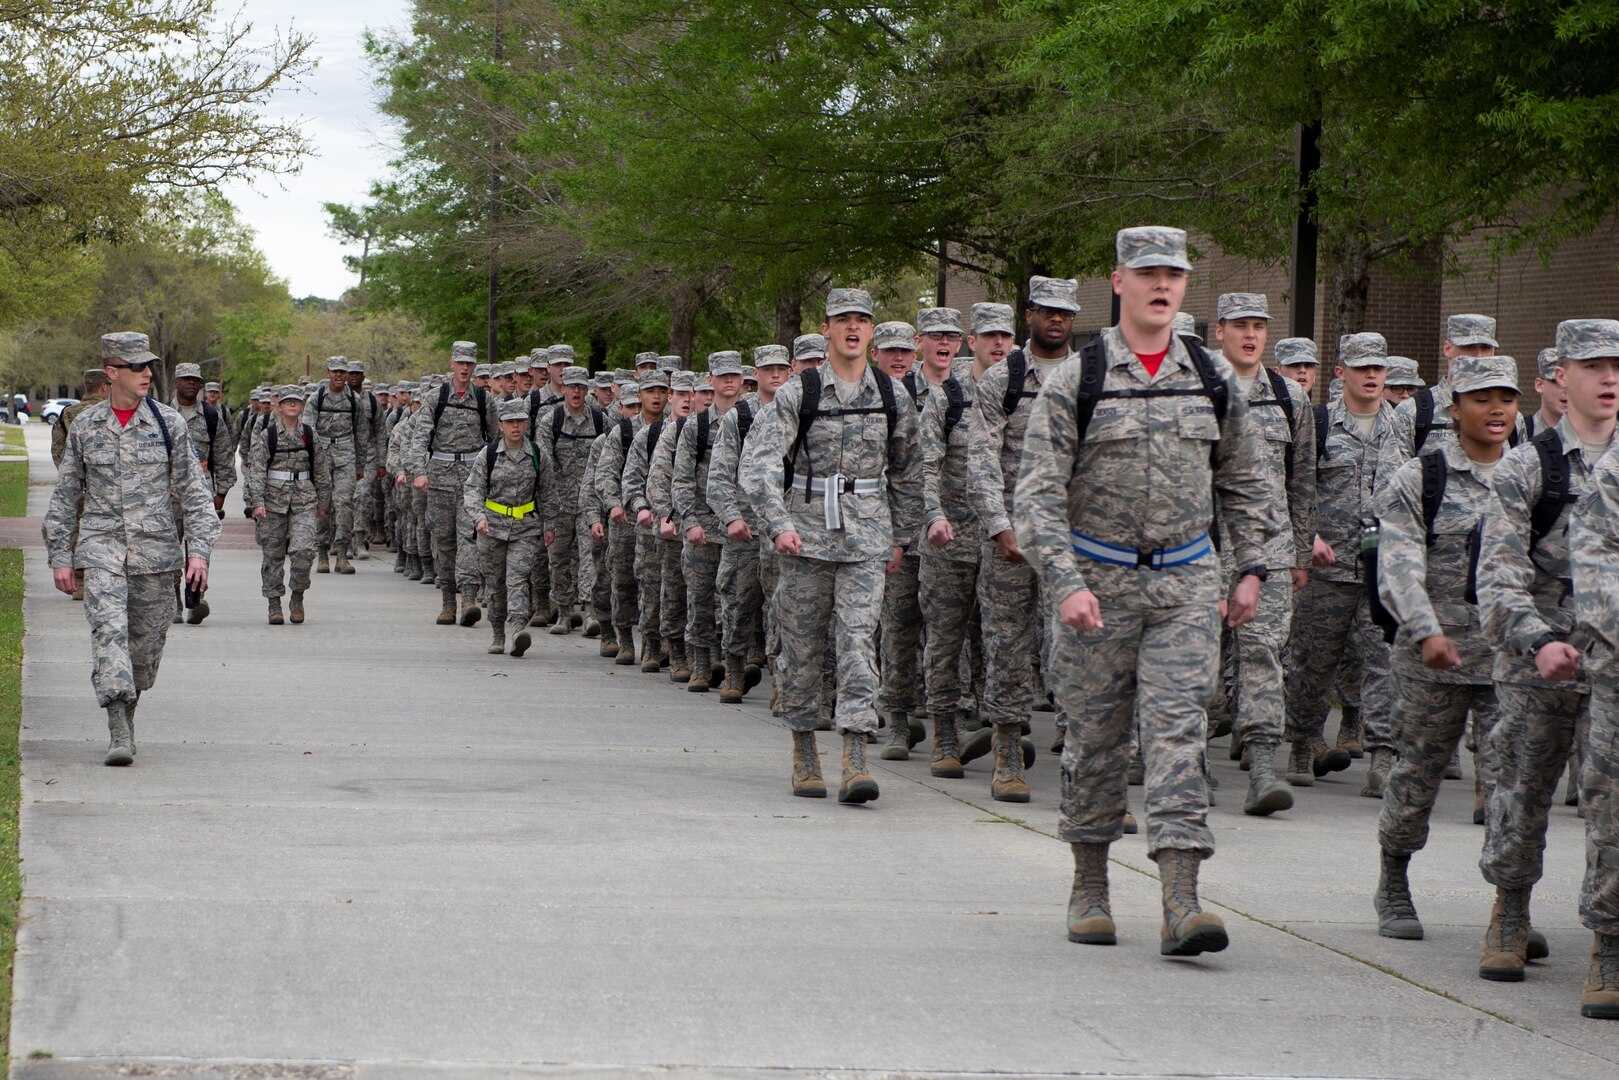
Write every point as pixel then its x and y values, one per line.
pixel 1161 559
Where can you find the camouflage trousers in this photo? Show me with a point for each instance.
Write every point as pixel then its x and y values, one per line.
pixel 648 569
pixel 743 599
pixel 620 566
pixel 129 618
pixel 1333 628
pixel 286 537
pixel 363 504
pixel 1009 609
pixel 700 564
pixel 505 567
pixel 1251 691
pixel 418 522
pixel 1153 668
pixel 901 638
pixel 563 557
pixel 539 578
pixel 824 605
pixel 1599 798
pixel 1430 719
pixel 595 582
pixel 948 592
pixel 671 586
pixel 390 510
pixel 338 525
pixel 1528 747
pixel 455 546
pixel 769 574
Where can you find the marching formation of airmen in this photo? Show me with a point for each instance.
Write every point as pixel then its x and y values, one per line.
pixel 939 530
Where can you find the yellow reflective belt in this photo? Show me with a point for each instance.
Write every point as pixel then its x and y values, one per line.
pixel 518 512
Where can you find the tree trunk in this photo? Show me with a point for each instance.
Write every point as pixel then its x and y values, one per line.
pixel 789 316
pixel 687 300
pixel 1351 286
pixel 942 278
pixel 492 318
pixel 598 351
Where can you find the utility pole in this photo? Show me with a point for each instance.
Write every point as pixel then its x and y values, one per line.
pixel 1307 157
pixel 495 199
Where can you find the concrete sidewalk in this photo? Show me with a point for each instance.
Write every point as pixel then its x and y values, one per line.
pixel 364 848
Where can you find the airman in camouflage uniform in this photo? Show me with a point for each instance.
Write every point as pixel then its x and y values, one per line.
pixel 456 422
pixel 211 438
pixel 660 496
pixel 1553 396
pixel 95 389
pixel 852 504
pixel 593 514
pixel 1594 546
pixel 624 530
pixel 1115 520
pixel 513 503
pixel 570 427
pixel 653 553
pixel 340 433
pixel 1465 335
pixel 292 490
pixel 1253 652
pixel 1296 359
pixel 1333 628
pixel 1009 601
pixel 1529 616
pixel 701 529
pixel 121 472
pixel 955 543
pixel 1402 380
pixel 1441 657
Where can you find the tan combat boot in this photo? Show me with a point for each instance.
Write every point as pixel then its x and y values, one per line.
pixel 1396 911
pixel 649 653
pixel 857 785
pixel 701 670
pixel 1350 733
pixel 593 627
pixel 323 561
pixel 497 639
pixel 521 639
pixel 296 612
pixel 446 615
pixel 625 656
pixel 470 611
pixel 564 623
pixel 275 611
pixel 1266 794
pixel 1600 1000
pixel 1506 939
pixel 679 660
pixel 1090 918
pixel 121 745
pixel 1188 929
pixel 898 746
pixel 731 692
pixel 945 763
pixel 608 647
pixel 1377 773
pixel 343 566
pixel 807 782
pixel 1008 784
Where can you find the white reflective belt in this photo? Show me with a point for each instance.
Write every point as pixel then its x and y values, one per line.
pixel 285 474
pixel 454 457
pixel 832 489
pixel 1157 559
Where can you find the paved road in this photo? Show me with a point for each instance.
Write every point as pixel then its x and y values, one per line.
pixel 363 848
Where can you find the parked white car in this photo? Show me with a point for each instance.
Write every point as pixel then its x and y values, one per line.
pixel 51 411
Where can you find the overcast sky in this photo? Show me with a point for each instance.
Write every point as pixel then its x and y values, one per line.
pixel 352 141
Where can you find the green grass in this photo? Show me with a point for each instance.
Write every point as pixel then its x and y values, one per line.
pixel 10 775
pixel 13 488
pixel 11 437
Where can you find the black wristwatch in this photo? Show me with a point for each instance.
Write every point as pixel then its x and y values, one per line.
pixel 1541 642
pixel 1260 572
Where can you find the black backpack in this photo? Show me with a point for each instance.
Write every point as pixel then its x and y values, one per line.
pixel 626 435
pixel 1554 494
pixel 809 407
pixel 744 421
pixel 489 455
pixel 1435 475
pixel 910 388
pixel 1017 373
pixel 1093 372
pixel 557 434
pixel 309 444
pixel 354 409
pixel 1280 399
pixel 955 404
pixel 443 402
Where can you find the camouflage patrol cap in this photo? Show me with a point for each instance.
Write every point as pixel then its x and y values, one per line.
pixel 771 356
pixel 559 354
pixel 669 363
pixel 481 371
pixel 652 379
pixel 1546 364
pixel 1403 372
pixel 622 376
pixel 894 335
pixel 337 363
pixel 463 352
pixel 644 358
pixel 1151 245
pixel 1587 339
pixel 537 359
pixel 705 381
pixel 207 388
pixel 843 301
pixel 1469 373
pixel 725 363
pixel 629 394
pixel 94 376
pixel 683 380
pixel 1363 350
pixel 188 371
pixel 809 347
pixel 264 386
pixel 292 393
pixel 1050 292
pixel 1470 330
pixel 938 320
pixel 602 380
pixel 133 348
pixel 355 367
pixel 511 409
pixel 255 394
pixel 375 388
pixel 1186 326
pixel 1296 350
pixel 992 319
pixel 574 375
pixel 749 374
pixel 1241 305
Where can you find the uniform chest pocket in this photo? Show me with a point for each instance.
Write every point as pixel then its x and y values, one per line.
pixel 1117 422
pixel 1196 420
pixel 1273 425
pixel 147 453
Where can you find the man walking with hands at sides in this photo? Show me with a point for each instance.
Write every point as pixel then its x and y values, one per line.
pixel 291 483
pixel 1128 452
pixel 123 459
pixel 834 471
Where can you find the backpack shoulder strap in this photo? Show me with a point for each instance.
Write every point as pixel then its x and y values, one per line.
pixel 1554 484
pixel 626 434
pixel 162 426
pixel 1284 399
pixel 885 387
pixel 744 421
pixel 1092 373
pixel 556 429
pixel 809 403
pixel 489 453
pixel 1017 373
pixel 273 444
pixel 210 419
pixel 1424 418
pixel 483 408
pixel 1218 390
pixel 955 404
pixel 702 438
pixel 1433 490
pixel 1323 424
